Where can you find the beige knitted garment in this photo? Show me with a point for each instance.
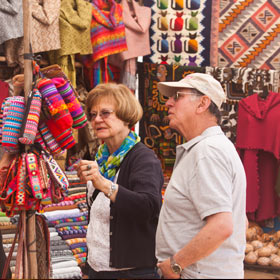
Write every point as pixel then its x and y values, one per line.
pixel 45 25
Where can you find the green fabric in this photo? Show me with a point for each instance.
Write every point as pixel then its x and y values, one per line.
pixel 109 164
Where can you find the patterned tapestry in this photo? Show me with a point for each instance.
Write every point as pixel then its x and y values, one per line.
pixel 237 83
pixel 184 32
pixel 249 34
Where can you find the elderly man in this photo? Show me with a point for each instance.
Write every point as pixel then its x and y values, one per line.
pixel 202 224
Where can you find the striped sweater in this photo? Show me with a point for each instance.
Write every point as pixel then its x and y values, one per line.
pixel 107 30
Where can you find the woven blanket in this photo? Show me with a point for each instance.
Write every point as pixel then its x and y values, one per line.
pixel 61 253
pixel 184 32
pixel 66 220
pixel 61 214
pixel 71 236
pixel 77 245
pixel 83 223
pixel 75 240
pixel 249 34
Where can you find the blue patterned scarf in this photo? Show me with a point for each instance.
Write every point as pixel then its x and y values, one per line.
pixel 108 164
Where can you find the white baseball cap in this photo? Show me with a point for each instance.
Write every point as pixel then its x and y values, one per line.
pixel 204 83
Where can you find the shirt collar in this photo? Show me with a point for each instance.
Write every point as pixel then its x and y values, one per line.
pixel 210 131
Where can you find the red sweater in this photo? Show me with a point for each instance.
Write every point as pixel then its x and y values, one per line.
pixel 258 143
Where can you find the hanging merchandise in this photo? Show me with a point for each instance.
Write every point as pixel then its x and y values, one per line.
pixel 31 118
pixel 12 112
pixel 74 28
pixel 107 38
pixel 184 32
pixel 71 101
pixel 137 20
pixel 11 18
pixel 258 143
pixel 45 25
pixel 33 178
pixel 11 31
pixel 45 123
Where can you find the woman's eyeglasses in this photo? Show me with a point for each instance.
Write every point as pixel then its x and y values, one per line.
pixel 104 114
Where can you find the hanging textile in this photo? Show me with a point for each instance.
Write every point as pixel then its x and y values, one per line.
pixel 249 34
pixel 239 83
pixel 184 32
pixel 258 143
pixel 107 38
pixel 11 19
pixel 45 34
pixel 74 27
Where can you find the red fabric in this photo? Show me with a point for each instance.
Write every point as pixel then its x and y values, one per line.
pixel 4 91
pixel 258 125
pixel 258 144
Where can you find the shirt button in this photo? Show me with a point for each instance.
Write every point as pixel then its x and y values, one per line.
pixel 111 233
pixel 111 249
pixel 111 217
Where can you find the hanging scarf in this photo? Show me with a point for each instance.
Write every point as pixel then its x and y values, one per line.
pixel 108 164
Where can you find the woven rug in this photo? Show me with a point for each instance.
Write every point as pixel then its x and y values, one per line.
pixel 249 34
pixel 184 32
pixel 154 130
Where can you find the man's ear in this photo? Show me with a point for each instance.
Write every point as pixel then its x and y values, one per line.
pixel 203 104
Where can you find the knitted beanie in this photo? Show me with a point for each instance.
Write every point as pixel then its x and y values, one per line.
pixel 56 106
pixel 76 110
pixel 63 137
pixel 12 123
pixel 32 115
pixel 49 139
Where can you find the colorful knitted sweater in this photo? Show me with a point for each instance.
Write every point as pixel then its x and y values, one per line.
pixel 107 31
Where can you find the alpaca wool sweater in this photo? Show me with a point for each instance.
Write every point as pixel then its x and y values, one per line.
pixel 45 25
pixel 11 19
pixel 107 30
pixel 258 143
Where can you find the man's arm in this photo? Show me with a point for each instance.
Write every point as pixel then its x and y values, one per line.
pixel 217 229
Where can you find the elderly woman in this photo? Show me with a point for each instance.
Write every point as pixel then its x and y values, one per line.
pixel 124 189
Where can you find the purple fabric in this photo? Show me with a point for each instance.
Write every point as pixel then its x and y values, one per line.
pixel 77 245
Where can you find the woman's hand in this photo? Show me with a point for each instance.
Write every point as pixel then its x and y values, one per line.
pixel 88 170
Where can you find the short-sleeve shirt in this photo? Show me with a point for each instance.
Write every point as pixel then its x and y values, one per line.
pixel 208 178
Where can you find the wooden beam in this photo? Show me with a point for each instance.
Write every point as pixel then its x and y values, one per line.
pixel 31 219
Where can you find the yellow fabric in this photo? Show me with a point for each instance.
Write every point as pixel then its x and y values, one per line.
pixel 66 63
pixel 74 23
pixel 74 26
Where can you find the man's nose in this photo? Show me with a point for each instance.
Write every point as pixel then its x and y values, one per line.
pixel 169 102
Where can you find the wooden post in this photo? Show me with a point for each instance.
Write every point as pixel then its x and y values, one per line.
pixel 31 265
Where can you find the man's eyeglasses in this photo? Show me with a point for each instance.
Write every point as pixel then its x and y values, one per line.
pixel 177 95
pixel 104 114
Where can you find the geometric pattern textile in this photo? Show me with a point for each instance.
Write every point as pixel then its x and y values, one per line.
pixel 184 32
pixel 249 34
